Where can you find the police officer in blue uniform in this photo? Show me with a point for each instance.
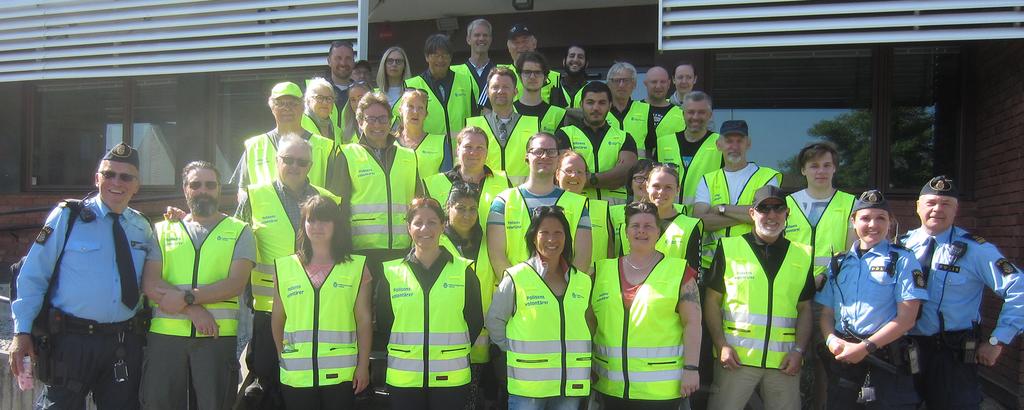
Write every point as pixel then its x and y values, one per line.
pixel 869 301
pixel 959 266
pixel 95 270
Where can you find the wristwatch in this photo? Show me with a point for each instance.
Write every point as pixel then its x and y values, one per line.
pixel 190 299
pixel 721 209
pixel 870 346
pixel 994 341
pixel 592 181
pixel 797 349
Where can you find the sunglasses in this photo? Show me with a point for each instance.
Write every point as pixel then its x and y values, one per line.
pixel 199 184
pixel 289 161
pixel 123 177
pixel 765 208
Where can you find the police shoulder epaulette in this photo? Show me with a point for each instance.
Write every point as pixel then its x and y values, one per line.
pixel 975 238
pixel 902 239
pixel 899 246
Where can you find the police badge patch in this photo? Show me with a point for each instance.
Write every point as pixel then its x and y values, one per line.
pixel 919 279
pixel 44 234
pixel 1006 266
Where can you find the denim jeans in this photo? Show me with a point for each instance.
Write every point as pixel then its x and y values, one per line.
pixel 547 403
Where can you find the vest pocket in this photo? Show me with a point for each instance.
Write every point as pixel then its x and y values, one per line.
pixel 452 350
pixel 399 350
pixel 736 329
pixel 531 360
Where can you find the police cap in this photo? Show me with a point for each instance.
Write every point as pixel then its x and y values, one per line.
pixel 871 199
pixel 123 153
pixel 940 185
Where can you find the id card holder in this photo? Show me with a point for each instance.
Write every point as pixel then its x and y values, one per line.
pixel 120 367
pixel 867 391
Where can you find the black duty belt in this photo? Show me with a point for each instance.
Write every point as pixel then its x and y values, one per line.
pixel 89 327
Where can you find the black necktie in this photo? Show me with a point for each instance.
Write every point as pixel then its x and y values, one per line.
pixel 125 266
pixel 926 259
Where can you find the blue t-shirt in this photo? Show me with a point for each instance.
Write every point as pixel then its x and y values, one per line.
pixel 497 214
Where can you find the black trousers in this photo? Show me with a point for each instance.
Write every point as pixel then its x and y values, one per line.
pixel 85 363
pixel 892 391
pixel 337 397
pixel 618 403
pixel 945 381
pixel 434 398
pixel 261 359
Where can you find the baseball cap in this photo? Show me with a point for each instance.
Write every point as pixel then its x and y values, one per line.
pixel 286 88
pixel 768 192
pixel 519 29
pixel 734 127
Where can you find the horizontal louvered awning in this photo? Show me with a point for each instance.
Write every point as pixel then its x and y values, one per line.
pixel 104 38
pixel 715 24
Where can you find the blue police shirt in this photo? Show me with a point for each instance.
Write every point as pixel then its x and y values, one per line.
pixel 863 295
pixel 89 285
pixel 955 285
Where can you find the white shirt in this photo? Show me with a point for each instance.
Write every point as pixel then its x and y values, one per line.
pixel 736 180
pixel 812 207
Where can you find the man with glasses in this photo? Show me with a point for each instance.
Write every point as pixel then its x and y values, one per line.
pixel 78 290
pixel 694 149
pixel 724 196
pixel 202 268
pixel 320 116
pixel 625 113
pixel 507 131
pixel 534 69
pixel 608 151
pixel 449 92
pixel 478 37
pixel 273 211
pixel 510 212
pixel 758 310
pixel 258 164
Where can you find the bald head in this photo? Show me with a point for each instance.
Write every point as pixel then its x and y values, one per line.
pixel 657 83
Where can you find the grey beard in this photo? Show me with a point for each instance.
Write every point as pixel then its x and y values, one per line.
pixel 203 205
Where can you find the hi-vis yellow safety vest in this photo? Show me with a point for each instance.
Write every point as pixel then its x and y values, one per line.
pixel 638 352
pixel 275 238
pixel 446 119
pixel 600 228
pixel 674 239
pixel 380 199
pixel 309 124
pixel 759 318
pixel 429 344
pixel 635 123
pixel 479 353
pixel 599 159
pixel 184 269
pixel 320 346
pixel 573 101
pixel 830 233
pixel 552 119
pixel 707 159
pixel 430 154
pixel 261 159
pixel 517 220
pixel 512 157
pixel 718 189
pixel 548 337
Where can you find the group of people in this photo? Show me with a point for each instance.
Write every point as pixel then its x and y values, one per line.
pixel 492 236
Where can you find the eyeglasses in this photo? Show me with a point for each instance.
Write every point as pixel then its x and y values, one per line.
pixel 323 98
pixel 194 185
pixel 299 162
pixel 287 104
pixel 394 61
pixel 532 73
pixel 123 177
pixel 573 172
pixel 383 119
pixel 766 208
pixel 619 81
pixel 545 152
pixel 639 179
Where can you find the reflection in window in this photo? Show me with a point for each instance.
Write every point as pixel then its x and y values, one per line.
pixel 10 137
pixel 792 98
pixel 926 115
pixel 243 112
pixel 155 130
pixel 76 123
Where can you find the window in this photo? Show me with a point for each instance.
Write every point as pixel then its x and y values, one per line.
pixel 792 98
pixel 10 137
pixel 155 131
pixel 75 124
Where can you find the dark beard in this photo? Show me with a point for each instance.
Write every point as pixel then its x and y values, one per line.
pixel 203 205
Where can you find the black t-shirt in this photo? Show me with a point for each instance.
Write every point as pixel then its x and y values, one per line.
pixel 654 117
pixel 595 137
pixel 687 149
pixel 769 255
pixel 535 110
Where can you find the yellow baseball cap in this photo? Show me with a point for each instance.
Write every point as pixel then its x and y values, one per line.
pixel 286 88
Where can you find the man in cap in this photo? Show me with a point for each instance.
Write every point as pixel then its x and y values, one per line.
pixel 758 309
pixel 81 276
pixel 869 302
pixel 258 164
pixel 958 266
pixel 724 195
pixel 204 265
pixel 522 40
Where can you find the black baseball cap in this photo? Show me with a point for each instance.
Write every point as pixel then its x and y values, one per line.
pixel 768 192
pixel 734 127
pixel 519 29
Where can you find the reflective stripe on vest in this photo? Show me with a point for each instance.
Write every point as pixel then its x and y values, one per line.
pixel 634 123
pixel 261 159
pixel 429 343
pixel 602 159
pixel 638 353
pixel 379 198
pixel 548 336
pixel 449 118
pixel 828 235
pixel 707 159
pixel 320 347
pixel 480 352
pixel 184 270
pixel 275 238
pixel 718 189
pixel 510 158
pixel 517 220
pixel 761 340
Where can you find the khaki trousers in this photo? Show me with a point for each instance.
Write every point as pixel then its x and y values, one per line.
pixel 732 388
